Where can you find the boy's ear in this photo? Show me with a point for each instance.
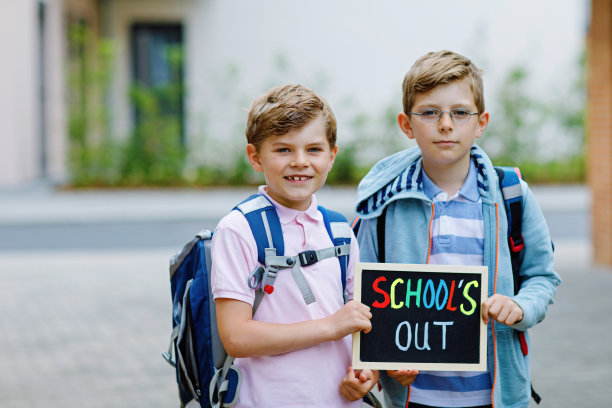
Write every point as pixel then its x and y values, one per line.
pixel 334 152
pixel 404 123
pixel 483 122
pixel 253 157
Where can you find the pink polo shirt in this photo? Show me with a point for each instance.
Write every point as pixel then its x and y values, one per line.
pixel 304 378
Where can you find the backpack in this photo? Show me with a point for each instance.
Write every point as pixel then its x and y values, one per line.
pixel 205 374
pixel 510 185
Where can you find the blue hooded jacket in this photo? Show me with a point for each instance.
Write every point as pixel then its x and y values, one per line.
pixel 396 182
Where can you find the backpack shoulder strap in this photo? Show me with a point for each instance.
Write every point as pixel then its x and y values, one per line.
pixel 265 225
pixel 340 233
pixel 380 233
pixel 510 185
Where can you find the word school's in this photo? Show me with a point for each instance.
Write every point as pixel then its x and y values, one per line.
pixel 440 297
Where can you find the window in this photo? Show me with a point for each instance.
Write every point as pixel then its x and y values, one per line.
pixel 157 74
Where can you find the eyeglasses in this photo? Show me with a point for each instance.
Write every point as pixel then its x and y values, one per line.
pixel 434 115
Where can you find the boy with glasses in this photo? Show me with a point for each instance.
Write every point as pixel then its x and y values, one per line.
pixel 441 204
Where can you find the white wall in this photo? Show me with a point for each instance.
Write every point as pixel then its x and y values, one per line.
pixel 355 53
pixel 20 111
pixel 367 47
pixel 18 96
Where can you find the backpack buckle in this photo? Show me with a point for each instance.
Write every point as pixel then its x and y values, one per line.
pixel 308 257
pixel 256 277
pixel 516 246
pixel 269 276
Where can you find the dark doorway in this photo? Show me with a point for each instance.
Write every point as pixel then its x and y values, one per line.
pixel 157 74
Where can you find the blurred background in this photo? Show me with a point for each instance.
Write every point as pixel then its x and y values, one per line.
pixel 155 93
pixel 122 134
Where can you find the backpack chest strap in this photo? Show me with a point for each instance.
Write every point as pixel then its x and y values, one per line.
pixel 275 262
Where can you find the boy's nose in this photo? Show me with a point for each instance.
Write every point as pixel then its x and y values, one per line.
pixel 445 123
pixel 299 160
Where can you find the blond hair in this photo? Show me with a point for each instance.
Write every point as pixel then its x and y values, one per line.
pixel 287 108
pixel 440 68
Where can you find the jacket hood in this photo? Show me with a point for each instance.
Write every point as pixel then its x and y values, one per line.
pixel 400 176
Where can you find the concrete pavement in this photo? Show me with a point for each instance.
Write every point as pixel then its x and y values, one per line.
pixel 41 205
pixel 85 328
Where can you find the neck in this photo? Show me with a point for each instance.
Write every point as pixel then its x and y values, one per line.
pixel 448 178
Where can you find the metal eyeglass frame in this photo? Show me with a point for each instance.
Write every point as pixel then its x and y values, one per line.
pixel 440 113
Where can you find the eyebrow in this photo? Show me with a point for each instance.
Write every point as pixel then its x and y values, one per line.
pixel 454 105
pixel 310 144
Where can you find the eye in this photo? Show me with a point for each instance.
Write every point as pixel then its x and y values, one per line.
pixel 461 113
pixel 430 113
pixel 315 149
pixel 282 150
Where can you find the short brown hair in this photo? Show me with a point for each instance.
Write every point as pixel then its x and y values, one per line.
pixel 440 68
pixel 286 108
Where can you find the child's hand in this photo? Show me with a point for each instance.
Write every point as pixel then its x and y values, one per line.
pixel 352 317
pixel 501 308
pixel 357 383
pixel 404 377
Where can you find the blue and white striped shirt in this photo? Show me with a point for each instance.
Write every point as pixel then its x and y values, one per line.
pixel 457 239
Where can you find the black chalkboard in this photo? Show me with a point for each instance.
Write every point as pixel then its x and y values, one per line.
pixel 423 317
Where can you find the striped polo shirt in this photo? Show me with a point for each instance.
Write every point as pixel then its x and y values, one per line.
pixel 457 239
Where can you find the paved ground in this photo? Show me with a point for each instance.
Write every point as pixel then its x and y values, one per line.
pixel 85 328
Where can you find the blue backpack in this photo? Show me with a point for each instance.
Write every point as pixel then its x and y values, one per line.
pixel 510 184
pixel 205 374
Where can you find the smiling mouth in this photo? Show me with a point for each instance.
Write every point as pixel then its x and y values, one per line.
pixel 298 178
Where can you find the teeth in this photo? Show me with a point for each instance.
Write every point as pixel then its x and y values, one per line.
pixel 298 178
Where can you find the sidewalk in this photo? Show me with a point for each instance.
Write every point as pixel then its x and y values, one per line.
pixel 41 205
pixel 87 328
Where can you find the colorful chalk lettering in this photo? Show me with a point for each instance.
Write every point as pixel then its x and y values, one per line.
pixel 435 293
pixel 424 317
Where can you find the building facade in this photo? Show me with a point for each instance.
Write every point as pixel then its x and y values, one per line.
pixel 599 128
pixel 53 63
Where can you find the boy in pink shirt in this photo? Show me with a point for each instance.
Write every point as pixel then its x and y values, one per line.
pixel 291 354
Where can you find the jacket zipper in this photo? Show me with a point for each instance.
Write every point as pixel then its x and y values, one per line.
pixel 433 213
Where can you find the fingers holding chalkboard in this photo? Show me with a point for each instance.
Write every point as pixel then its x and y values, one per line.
pixel 404 377
pixel 502 309
pixel 354 316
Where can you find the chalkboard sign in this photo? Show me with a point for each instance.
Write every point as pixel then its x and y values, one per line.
pixel 424 317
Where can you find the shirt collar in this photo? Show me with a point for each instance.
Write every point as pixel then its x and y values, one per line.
pixel 429 187
pixel 469 189
pixel 287 215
